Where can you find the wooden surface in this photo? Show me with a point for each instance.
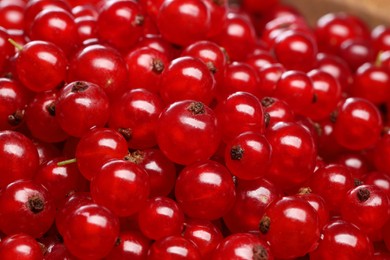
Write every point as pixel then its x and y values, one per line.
pixel 374 12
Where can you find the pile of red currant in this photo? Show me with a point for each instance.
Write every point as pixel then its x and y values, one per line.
pixel 192 129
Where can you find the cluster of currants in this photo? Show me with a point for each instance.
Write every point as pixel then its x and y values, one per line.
pixel 192 129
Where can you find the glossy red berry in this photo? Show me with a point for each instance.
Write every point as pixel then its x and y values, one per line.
pixel 81 106
pixel 187 78
pixel 356 52
pixel 342 240
pixel 18 157
pixel 101 65
pixel 290 226
pixel 46 57
pixel 332 182
pixel 91 232
pixel 295 50
pixel 186 120
pixel 20 246
pixel 173 247
pixel 161 171
pixel 12 15
pixel 120 23
pixel 205 190
pixel 121 186
pixel 276 111
pixel 40 118
pixel 269 75
pixel 145 67
pixel 56 26
pixel 358 124
pixel 13 101
pixel 296 88
pixel 204 234
pixel 129 245
pixel 238 113
pixel 97 147
pixel 248 156
pixel 242 246
pixel 160 217
pixel 26 207
pixel 293 155
pixel 379 179
pixel 252 198
pixel 190 18
pixel 134 114
pixel 367 207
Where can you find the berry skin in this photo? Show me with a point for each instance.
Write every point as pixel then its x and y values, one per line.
pixel 120 23
pixel 81 106
pixel 290 226
pixel 367 207
pixel 130 245
pixel 293 155
pixel 91 232
pixel 248 156
pixel 358 124
pixel 26 207
pixel 205 190
pixel 20 246
pixel 342 240
pixel 121 186
pixel 46 57
pixel 187 78
pixel 243 246
pixel 183 22
pixel 160 217
pixel 185 120
pixel 18 157
pixel 173 247
pixel 97 147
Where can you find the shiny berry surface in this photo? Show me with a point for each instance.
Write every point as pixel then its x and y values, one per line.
pixel 174 247
pixel 20 246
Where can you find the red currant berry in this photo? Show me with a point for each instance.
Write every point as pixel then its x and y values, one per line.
pixel 12 14
pixel 120 23
pixel 160 217
pixel 367 207
pixel 290 226
pixel 46 57
pixel 358 124
pixel 296 88
pixel 269 75
pixel 185 120
pixel 26 207
pixel 218 11
pixel 380 180
pixel 91 232
pixel 121 186
pixel 129 245
pixel 342 240
pixel 18 157
pixel 332 182
pixel 275 111
pixel 55 26
pixel 13 100
pixel 174 247
pixel 204 234
pixel 134 114
pixel 145 67
pixel 161 171
pixel 81 106
pixel 183 22
pixel 251 201
pixel 20 246
pixel 101 65
pixel 187 78
pixel 356 52
pixel 238 113
pixel 356 163
pixel 205 190
pixel 40 118
pixel 86 28
pixel 295 50
pixel 293 155
pixel 248 156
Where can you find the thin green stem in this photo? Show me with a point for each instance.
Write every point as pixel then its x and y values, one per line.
pixel 15 44
pixel 66 162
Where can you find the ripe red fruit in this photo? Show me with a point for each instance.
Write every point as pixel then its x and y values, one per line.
pixel 10 248
pixel 290 226
pixel 81 106
pixel 205 190
pixel 26 207
pixel 183 121
pixel 173 247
